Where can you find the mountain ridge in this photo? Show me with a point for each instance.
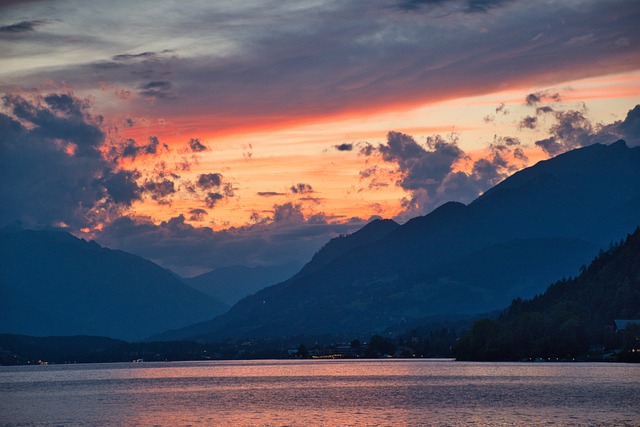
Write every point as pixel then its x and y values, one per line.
pixel 53 283
pixel 378 284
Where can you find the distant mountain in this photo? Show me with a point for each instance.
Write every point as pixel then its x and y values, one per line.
pixel 570 317
pixel 231 284
pixel 540 224
pixel 52 283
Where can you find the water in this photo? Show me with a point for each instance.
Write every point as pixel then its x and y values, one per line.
pixel 321 393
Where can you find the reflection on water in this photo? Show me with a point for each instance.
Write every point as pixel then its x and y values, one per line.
pixel 321 393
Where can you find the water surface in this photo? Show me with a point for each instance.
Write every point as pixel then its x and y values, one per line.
pixel 321 393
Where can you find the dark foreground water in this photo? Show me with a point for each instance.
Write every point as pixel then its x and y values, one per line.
pixel 321 393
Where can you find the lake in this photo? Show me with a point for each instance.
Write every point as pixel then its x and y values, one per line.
pixel 321 393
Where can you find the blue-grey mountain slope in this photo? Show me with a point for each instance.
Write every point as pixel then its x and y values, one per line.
pixel 535 227
pixel 52 283
pixel 231 284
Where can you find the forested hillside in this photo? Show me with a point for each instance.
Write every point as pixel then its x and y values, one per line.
pixel 572 318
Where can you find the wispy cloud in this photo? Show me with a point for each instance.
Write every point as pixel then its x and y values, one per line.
pixel 244 68
pixel 21 27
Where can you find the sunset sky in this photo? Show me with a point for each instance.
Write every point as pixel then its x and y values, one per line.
pixel 204 134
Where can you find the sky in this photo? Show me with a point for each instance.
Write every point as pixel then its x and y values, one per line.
pixel 207 134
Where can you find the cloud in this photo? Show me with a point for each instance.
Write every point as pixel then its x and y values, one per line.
pixel 573 129
pixel 528 122
pixel 208 181
pixel 629 128
pixel 79 178
pixel 191 250
pixel 212 199
pixel 157 89
pixel 51 168
pixel 160 189
pixel 214 181
pixel 468 6
pixel 270 194
pixel 430 173
pixel 197 214
pixel 196 145
pixel 130 149
pixel 21 27
pixel 60 117
pixel 251 70
pixel 288 212
pixel 122 186
pixel 344 147
pixel 422 168
pixel 135 56
pixel 543 96
pixel 301 188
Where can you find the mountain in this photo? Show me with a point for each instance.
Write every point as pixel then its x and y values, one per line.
pixel 538 225
pixel 570 317
pixel 52 283
pixel 340 246
pixel 231 284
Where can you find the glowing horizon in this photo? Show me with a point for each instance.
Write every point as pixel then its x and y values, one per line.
pixel 305 119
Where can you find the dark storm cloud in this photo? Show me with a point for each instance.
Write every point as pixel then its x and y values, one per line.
pixel 196 145
pixel 122 186
pixel 49 162
pixel 53 171
pixel 59 189
pixel 344 147
pixel 62 118
pixel 21 27
pixel 207 181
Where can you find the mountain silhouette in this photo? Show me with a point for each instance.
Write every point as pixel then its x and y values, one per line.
pixel 231 284
pixel 52 283
pixel 570 316
pixel 536 226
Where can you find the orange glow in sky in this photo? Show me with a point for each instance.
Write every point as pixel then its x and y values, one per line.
pixel 301 120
